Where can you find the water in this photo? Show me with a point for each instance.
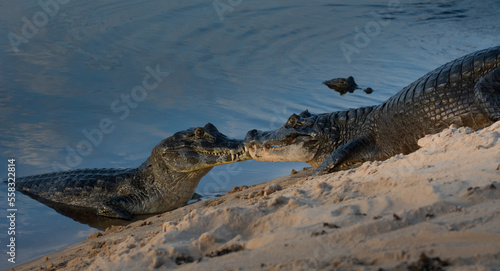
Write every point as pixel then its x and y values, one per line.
pixel 237 64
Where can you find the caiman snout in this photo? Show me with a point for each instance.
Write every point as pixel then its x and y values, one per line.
pixel 251 141
pixel 251 148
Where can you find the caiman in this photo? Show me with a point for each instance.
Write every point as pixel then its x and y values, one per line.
pixel 463 92
pixel 165 181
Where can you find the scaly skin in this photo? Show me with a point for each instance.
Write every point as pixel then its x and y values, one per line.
pixel 166 181
pixel 463 92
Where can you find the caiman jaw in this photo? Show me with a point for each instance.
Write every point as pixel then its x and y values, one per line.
pixel 235 154
pixel 277 146
pixel 291 149
pixel 269 146
pixel 189 158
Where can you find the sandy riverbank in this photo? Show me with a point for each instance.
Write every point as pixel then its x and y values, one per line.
pixel 442 201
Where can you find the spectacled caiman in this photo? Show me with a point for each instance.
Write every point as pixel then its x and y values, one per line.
pixel 165 181
pixel 463 92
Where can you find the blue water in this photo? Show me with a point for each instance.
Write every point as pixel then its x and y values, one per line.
pixel 240 65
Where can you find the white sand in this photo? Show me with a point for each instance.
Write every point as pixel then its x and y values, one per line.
pixel 443 200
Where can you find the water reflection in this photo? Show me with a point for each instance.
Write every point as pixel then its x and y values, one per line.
pixel 86 216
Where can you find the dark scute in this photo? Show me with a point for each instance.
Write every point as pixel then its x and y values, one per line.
pixel 305 114
pixel 209 127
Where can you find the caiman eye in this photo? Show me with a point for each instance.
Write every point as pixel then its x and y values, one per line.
pixel 199 132
pixel 292 121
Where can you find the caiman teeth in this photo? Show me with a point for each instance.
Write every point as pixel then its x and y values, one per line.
pixel 235 154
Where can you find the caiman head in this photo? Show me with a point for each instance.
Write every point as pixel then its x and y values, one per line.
pixel 301 139
pixel 196 149
pixel 342 85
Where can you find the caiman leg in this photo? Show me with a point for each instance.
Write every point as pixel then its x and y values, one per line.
pixel 113 207
pixel 116 207
pixel 357 150
pixel 487 94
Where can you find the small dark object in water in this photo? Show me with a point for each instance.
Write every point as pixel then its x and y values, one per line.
pixel 342 85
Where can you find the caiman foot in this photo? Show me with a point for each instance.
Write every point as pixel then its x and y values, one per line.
pixel 356 151
pixel 109 208
pixel 487 94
